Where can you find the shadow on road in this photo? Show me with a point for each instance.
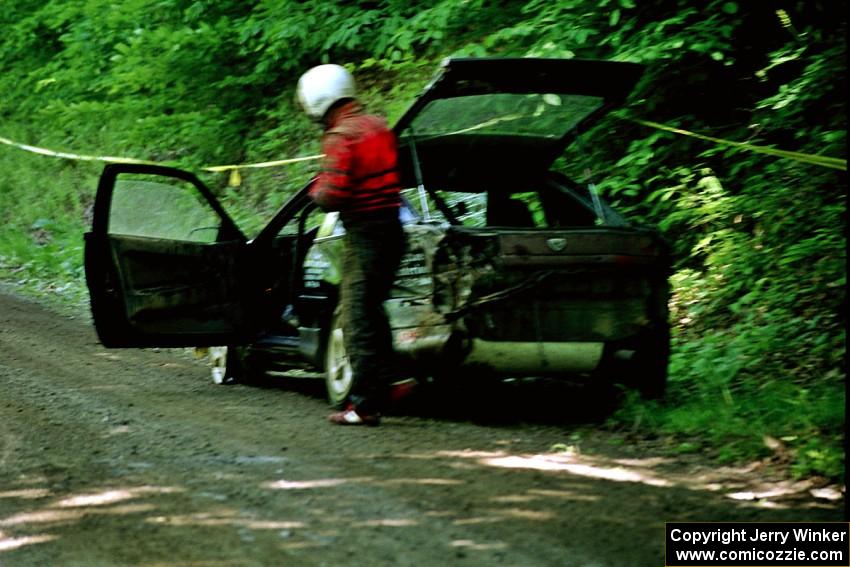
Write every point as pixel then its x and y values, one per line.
pixel 490 401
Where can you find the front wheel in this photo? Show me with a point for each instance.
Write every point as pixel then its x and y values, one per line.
pixel 339 377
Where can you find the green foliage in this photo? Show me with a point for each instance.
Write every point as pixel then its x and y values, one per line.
pixel 40 242
pixel 758 293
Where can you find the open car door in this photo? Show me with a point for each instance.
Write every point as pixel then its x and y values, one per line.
pixel 165 265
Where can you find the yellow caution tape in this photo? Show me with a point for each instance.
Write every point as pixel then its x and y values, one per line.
pixel 235 178
pixel 78 157
pixel 824 161
pixel 263 164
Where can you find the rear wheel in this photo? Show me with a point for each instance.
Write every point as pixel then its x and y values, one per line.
pixel 650 364
pixel 339 377
pixel 640 364
pixel 653 352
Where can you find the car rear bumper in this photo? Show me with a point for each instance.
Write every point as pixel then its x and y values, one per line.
pixel 534 358
pixel 443 345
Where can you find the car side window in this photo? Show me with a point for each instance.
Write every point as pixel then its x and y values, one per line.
pixel 164 208
pixel 468 208
pixel 494 208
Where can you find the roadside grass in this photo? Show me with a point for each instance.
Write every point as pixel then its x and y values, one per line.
pixel 51 272
pixel 799 429
pixel 45 205
pixel 737 405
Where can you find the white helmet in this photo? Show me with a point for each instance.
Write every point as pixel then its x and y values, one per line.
pixel 322 86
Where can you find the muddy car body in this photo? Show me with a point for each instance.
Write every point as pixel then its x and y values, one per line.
pixel 511 269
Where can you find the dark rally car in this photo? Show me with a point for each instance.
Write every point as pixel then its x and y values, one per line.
pixel 512 270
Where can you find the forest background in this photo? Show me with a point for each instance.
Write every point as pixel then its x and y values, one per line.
pixel 758 308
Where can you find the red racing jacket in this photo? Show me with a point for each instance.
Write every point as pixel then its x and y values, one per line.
pixel 360 169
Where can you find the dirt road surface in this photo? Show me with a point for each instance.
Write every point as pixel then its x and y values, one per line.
pixel 134 457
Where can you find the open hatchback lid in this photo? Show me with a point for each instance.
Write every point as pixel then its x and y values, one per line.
pixel 501 118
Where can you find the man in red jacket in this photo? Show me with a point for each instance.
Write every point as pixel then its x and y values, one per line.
pixel 359 178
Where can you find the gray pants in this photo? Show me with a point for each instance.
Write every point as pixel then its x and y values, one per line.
pixel 372 252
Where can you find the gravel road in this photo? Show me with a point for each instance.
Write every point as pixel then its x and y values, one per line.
pixel 134 457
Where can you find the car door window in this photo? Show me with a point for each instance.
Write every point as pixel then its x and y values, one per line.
pixel 466 207
pixel 162 208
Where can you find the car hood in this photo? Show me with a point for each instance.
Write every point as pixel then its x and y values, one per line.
pixel 506 117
